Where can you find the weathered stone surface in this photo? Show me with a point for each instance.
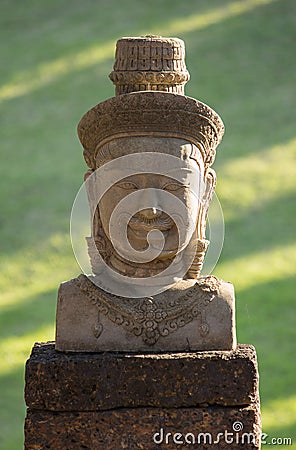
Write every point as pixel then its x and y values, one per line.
pixel 150 183
pixel 144 428
pixel 156 64
pixel 166 114
pixel 91 320
pixel 81 381
pixel 172 125
pixel 149 170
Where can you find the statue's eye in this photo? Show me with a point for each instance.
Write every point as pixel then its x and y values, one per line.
pixel 128 185
pixel 173 187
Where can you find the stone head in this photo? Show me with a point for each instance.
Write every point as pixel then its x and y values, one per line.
pixel 155 150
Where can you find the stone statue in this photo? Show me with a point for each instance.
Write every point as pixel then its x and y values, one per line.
pixel 149 151
pixel 154 340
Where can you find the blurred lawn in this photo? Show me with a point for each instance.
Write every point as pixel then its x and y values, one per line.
pixel 55 58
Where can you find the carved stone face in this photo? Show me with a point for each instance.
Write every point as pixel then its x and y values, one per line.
pixel 151 204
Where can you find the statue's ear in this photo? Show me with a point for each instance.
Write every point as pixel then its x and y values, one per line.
pixel 210 183
pixel 209 187
pixel 90 185
pixel 88 173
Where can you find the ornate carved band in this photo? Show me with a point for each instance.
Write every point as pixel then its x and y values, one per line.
pixel 154 81
pixel 127 88
pixel 146 113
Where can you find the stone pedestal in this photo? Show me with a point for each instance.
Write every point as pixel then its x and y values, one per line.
pixel 196 316
pixel 142 401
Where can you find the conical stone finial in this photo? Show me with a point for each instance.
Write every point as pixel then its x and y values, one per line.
pixel 149 63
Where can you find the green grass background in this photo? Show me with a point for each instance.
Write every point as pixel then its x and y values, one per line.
pixel 55 58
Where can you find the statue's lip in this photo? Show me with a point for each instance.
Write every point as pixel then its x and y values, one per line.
pixel 146 227
pixel 140 224
pixel 142 234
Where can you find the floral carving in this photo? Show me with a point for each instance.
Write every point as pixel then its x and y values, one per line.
pixel 152 318
pixel 148 77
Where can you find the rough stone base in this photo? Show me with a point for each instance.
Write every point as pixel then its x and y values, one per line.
pixel 126 400
pixel 98 381
pixel 144 428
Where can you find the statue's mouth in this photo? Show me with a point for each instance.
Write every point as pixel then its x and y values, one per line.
pixel 139 223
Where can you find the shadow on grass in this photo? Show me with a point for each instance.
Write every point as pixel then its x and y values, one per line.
pixel 227 72
pixel 260 228
pixel 17 322
pixel 66 31
pixel 278 433
pixel 12 410
pixel 32 313
pixel 266 318
pixel 244 69
pixel 236 75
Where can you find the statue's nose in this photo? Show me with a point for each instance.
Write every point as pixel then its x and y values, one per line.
pixel 150 213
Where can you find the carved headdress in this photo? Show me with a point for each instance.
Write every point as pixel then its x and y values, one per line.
pixel 150 74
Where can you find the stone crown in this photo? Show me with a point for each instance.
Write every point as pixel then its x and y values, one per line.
pixel 151 113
